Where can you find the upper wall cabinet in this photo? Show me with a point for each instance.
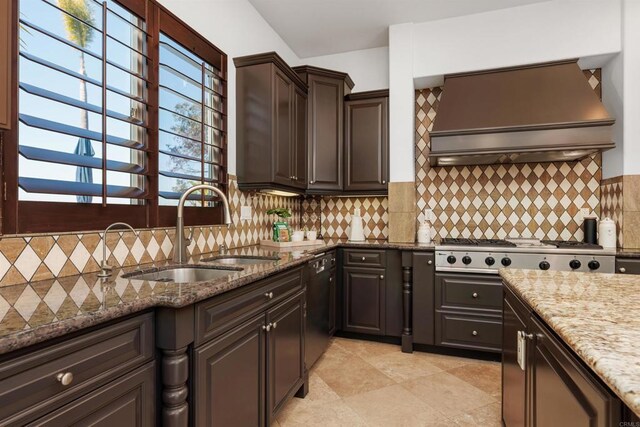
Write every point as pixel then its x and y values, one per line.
pixel 325 127
pixel 6 49
pixel 366 164
pixel 271 124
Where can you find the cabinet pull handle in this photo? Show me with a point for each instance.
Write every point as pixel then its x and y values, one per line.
pixel 622 270
pixel 269 295
pixel 274 325
pixel 474 333
pixel 266 327
pixel 475 295
pixel 381 277
pixel 331 279
pixel 311 182
pixel 429 262
pixel 65 378
pixel 364 258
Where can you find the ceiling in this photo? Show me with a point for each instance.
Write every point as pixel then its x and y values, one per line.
pixel 323 27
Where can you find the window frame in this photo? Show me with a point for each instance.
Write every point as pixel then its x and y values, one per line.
pixel 24 217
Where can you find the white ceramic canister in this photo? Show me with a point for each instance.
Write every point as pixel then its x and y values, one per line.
pixel 607 233
pixel 424 232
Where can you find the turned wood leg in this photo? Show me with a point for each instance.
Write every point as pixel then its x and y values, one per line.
pixel 175 373
pixel 407 333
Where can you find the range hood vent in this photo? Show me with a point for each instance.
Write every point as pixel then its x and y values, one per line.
pixel 536 113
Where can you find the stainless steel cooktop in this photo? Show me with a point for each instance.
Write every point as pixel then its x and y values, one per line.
pixel 487 256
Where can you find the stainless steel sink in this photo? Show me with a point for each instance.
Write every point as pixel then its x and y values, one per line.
pixel 183 274
pixel 241 259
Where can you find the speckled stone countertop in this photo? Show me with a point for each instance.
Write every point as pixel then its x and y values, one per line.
pixel 38 311
pixel 597 315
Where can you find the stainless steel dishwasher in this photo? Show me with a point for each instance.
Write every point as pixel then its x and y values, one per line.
pixel 318 329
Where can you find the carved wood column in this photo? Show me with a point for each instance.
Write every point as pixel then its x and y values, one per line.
pixel 174 334
pixel 407 302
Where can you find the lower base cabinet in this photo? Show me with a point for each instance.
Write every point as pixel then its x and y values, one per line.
pixel 127 401
pixel 243 377
pixel 364 300
pixel 547 385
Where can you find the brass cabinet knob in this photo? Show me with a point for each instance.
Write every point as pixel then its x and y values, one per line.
pixel 266 327
pixel 475 295
pixel 384 182
pixel 311 182
pixel 331 279
pixel 381 277
pixel 274 325
pixel 364 258
pixel 474 333
pixel 269 295
pixel 429 262
pixel 65 378
pixel 622 270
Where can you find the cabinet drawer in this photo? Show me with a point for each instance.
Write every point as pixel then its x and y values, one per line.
pixel 627 265
pixel 220 314
pixel 364 258
pixel 469 332
pixel 460 292
pixel 29 384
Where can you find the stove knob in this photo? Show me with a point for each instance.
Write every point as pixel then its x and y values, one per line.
pixel 490 261
pixel 575 264
pixel 544 265
pixel 506 261
pixel 594 265
pixel 451 259
pixel 466 260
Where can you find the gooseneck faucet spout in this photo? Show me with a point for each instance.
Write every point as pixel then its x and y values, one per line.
pixel 180 246
pixel 105 268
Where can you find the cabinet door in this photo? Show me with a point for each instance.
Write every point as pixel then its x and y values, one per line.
pixel 325 133
pixel 127 401
pixel 366 145
pixel 283 129
pixel 300 140
pixel 627 266
pixel 514 394
pixel 6 50
pixel 364 304
pixel 229 377
pixel 563 392
pixel 285 359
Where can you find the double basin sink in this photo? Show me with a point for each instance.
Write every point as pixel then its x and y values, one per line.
pixel 201 273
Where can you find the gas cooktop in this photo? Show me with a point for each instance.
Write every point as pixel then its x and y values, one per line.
pixel 489 255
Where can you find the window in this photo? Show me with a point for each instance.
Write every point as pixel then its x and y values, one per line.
pixel 191 133
pixel 99 136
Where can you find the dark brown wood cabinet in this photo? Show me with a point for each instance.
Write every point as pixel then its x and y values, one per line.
pixel 366 164
pixel 333 292
pixel 285 357
pixel 230 377
pixel 627 265
pixel 550 386
pixel 364 300
pixel 6 63
pixel 423 305
pixel 325 127
pixel 271 103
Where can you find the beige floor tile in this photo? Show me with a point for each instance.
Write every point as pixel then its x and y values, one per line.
pixel 352 377
pixel 366 349
pixel 403 366
pixel 394 406
pixel 448 393
pixel 485 376
pixel 328 414
pixel 446 362
pixel 487 416
pixel 319 391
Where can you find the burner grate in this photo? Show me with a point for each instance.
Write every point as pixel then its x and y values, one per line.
pixel 476 242
pixel 572 244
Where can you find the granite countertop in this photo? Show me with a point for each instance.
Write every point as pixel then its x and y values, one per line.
pixel 34 312
pixel 628 253
pixel 597 315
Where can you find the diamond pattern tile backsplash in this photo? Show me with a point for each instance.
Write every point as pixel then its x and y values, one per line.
pixel 538 200
pixel 611 198
pixel 40 257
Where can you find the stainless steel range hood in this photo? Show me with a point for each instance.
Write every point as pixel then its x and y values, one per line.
pixel 535 113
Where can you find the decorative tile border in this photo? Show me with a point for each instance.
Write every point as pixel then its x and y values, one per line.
pixel 612 201
pixel 39 257
pixel 538 200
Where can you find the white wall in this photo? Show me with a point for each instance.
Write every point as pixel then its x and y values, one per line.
pixel 368 68
pixel 237 28
pixel 631 86
pixel 613 100
pixel 522 35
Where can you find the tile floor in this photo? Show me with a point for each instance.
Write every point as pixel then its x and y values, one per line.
pixel 363 383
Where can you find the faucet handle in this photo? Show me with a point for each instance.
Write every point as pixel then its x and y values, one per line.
pixel 188 239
